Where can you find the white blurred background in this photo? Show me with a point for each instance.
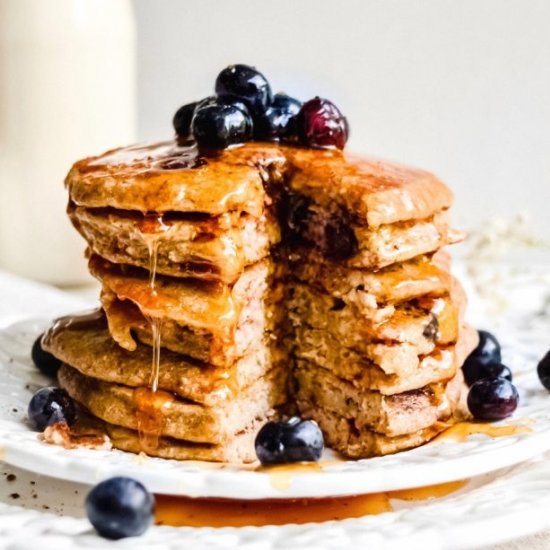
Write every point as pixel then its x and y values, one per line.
pixel 460 88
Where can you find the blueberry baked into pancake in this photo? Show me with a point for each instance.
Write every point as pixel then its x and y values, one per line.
pixel 251 270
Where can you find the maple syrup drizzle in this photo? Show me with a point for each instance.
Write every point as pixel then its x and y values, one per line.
pixel 156 326
pixel 280 476
pixel 201 512
pixel 151 228
pixel 150 402
pixel 461 431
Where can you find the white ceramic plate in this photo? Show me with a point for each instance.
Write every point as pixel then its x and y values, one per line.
pixel 492 508
pixel 431 464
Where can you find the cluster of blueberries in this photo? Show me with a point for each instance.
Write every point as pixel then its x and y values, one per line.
pixel 244 108
pixel 492 395
pixel 122 507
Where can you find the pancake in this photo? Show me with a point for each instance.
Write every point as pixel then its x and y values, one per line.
pixel 237 450
pixel 211 248
pixel 375 293
pixel 128 325
pixel 422 324
pixel 378 192
pixel 92 351
pixel 165 177
pixel 393 415
pixel 371 248
pixel 178 419
pixel 213 323
pixel 392 369
pixel 89 431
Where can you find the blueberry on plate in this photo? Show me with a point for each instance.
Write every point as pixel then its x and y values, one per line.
pixel 278 121
pixel 293 441
pixel 487 352
pixel 475 370
pixel 218 126
pixel 245 83
pixel 50 405
pixel 45 362
pixel 488 349
pixel 543 370
pixel 321 124
pixel 120 507
pixel 492 399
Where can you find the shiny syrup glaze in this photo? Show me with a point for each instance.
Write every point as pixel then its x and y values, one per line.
pixel 461 431
pixel 77 321
pixel 207 305
pixel 167 155
pixel 193 512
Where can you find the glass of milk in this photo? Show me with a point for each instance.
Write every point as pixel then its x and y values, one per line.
pixel 67 90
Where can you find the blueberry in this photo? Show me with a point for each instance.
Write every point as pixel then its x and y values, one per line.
pixel 340 242
pixel 278 120
pixel 182 119
pixel 218 126
pixel 293 441
pixel 50 405
pixel 475 370
pixel 330 234
pixel 120 507
pixel 488 349
pixel 235 103
pixel 294 218
pixel 45 362
pixel 487 352
pixel 246 84
pixel 492 399
pixel 321 124
pixel 543 370
pixel 184 115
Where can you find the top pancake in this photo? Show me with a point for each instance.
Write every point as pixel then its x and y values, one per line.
pixel 165 177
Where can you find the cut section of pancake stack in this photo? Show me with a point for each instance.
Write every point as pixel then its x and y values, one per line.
pixel 378 337
pixel 266 279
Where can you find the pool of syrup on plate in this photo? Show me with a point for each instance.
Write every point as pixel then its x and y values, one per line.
pixel 200 512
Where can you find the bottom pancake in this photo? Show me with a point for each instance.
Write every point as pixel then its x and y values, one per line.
pixel 177 418
pixel 237 450
pixel 342 435
pixel 90 432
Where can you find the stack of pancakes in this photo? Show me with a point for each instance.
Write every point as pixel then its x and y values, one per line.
pixel 240 286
